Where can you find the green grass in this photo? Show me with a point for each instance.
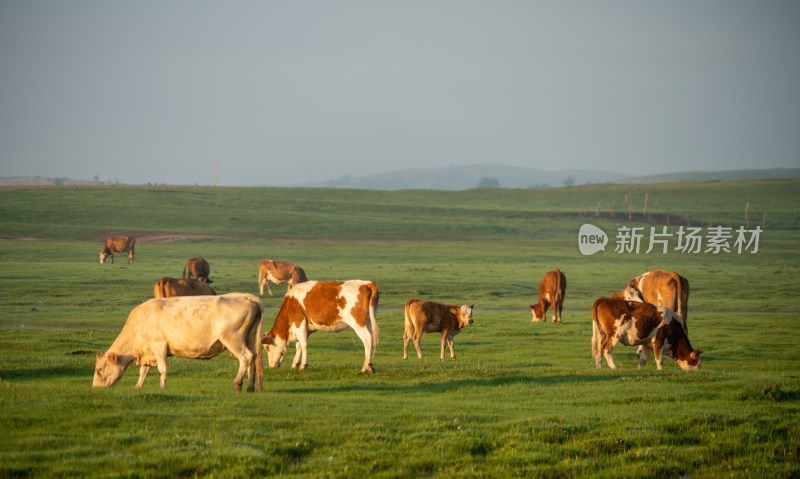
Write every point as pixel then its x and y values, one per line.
pixel 522 399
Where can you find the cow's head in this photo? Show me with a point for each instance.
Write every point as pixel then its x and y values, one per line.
pixel 630 293
pixel 107 370
pixel 693 362
pixel 537 311
pixel 276 349
pixel 464 315
pixel 103 256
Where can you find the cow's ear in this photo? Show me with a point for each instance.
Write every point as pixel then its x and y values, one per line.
pixel 455 310
pixel 99 356
pixel 471 306
pixel 112 357
pixel 267 339
pixel 530 306
pixel 696 353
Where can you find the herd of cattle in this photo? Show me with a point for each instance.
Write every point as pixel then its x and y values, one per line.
pixel 187 318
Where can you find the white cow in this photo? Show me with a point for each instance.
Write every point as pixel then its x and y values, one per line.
pixel 198 327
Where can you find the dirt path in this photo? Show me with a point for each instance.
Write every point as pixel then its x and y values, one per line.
pixel 147 237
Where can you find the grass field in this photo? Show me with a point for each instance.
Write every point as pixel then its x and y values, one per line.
pixel 522 399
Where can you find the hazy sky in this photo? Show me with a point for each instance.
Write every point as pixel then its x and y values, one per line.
pixel 282 92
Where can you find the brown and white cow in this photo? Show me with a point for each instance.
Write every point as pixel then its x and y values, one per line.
pixel 663 288
pixel 169 287
pixel 198 327
pixel 197 267
pixel 429 317
pixel 117 244
pixel 552 289
pixel 636 323
pixel 324 306
pixel 279 272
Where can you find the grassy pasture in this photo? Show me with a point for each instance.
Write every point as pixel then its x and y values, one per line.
pixel 522 399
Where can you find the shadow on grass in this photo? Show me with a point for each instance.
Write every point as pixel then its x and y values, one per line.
pixel 44 373
pixel 432 386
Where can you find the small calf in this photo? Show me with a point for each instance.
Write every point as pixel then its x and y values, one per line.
pixel 427 316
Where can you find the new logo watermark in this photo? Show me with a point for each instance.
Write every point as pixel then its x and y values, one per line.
pixel 591 239
pixel 691 240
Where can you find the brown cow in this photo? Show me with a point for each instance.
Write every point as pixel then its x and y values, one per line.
pixel 197 267
pixel 324 306
pixel 636 323
pixel 663 288
pixel 552 289
pixel 198 327
pixel 429 317
pixel 279 272
pixel 117 244
pixel 169 287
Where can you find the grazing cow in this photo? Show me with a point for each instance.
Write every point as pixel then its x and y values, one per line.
pixel 552 289
pixel 117 244
pixel 279 272
pixel 429 317
pixel 169 287
pixel 324 306
pixel 198 327
pixel 197 267
pixel 663 288
pixel 635 323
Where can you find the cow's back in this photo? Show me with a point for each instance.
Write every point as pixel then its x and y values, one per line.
pixel 618 314
pixel 191 324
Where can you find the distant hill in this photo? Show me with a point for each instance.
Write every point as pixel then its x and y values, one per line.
pixel 727 175
pixel 40 181
pixel 470 176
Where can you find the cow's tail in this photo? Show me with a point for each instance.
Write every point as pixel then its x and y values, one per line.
pixel 259 359
pixel 596 335
pixel 408 329
pixel 681 306
pixel 373 306
pixel 559 294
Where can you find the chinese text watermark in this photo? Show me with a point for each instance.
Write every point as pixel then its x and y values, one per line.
pixel 660 239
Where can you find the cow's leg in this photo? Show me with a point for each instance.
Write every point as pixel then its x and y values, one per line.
pixel 596 341
pixel 269 279
pixel 560 307
pixel 111 256
pixel 406 339
pixel 365 335
pixel 607 348
pixel 249 359
pixel 444 341
pixel 143 370
pixel 241 352
pixel 658 356
pixel 297 354
pixel 450 343
pixel 161 361
pixel 130 257
pixel 609 359
pixel 417 339
pixel 644 354
pixel 302 342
